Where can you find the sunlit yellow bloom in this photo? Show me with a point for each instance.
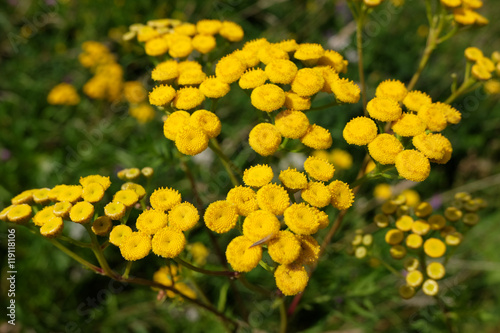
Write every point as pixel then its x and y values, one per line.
pixel 221 216
pixel 434 146
pixel 317 137
pixel 63 94
pixel 404 223
pixel 183 216
pixel 415 99
pixel 119 234
pixel 296 102
pixel 42 216
pixel 52 228
pixel 135 246
pixel 81 212
pixel 273 198
pixel 398 252
pixel 23 197
pixel 71 193
pixel 330 76
pixel 165 71
pixel 268 97
pixel 241 256
pixel 434 247
pixel 102 225
pixel 150 221
pixel 492 87
pixel 342 196
pixel 208 27
pixel 231 31
pixel 292 179
pixel 360 131
pixel 258 175
pixel 260 225
pixel 174 123
pixel 453 238
pixel 281 71
pixel 346 91
pixel 292 124
pixel 430 287
pixel 288 45
pixel 309 53
pixel 180 46
pixel 384 148
pixel 285 248
pixel 164 199
pixel 316 194
pixel 104 181
pixel 126 197
pixel 271 52
pixel 252 78
pixel 334 59
pixel 301 219
pixel 146 33
pixel 435 270
pixel 384 109
pixel 309 254
pixel 291 279
pixel 161 95
pixel 473 54
pixel 451 3
pixel 191 141
pixel 265 139
pixel 156 47
pixel 412 165
pixel 188 98
pixel 414 241
pixel 244 198
pixel 409 125
pixel 229 69
pixel 41 196
pixel 394 237
pixel 414 278
pixel 207 121
pixel 168 242
pixel 393 89
pixel 318 168
pixel 247 57
pixel 213 87
pixel 307 82
pixel 480 72
pixel 191 77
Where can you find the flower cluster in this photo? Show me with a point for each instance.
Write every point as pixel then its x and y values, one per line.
pixel 464 11
pixel 341 159
pixel 63 94
pixel 361 244
pixel 171 276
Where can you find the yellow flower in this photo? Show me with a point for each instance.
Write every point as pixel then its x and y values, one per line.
pixel 424 209
pixel 260 225
pixel 151 221
pixel 213 87
pixel 281 71
pixel 406 292
pixel 372 3
pixel 165 71
pixel 119 234
pixel 136 246
pixel 451 3
pixel 244 198
pixel 309 53
pixel 317 137
pixel 394 237
pixel 188 98
pixel 492 87
pixel 334 59
pixel 346 91
pixel 414 241
pixel 81 212
pixel 252 78
pixel 435 270
pixel 433 115
pixel 382 191
pixel 168 242
pixel 241 256
pixel 231 31
pixel 229 69
pixel 330 76
pixel 207 121
pixel 434 146
pixel 146 33
pixel 307 82
pixel 397 252
pixel 199 253
pixel 258 175
pixel 247 57
pixel 104 181
pixel 430 287
pixel 265 139
pixel 102 225
pixel 436 222
pixel 180 46
pixel 301 219
pixel 415 99
pixel 184 216
pixel 174 123
pixel 360 131
pixel 393 89
pixel 475 4
pixel 284 248
pixel 434 247
pixel 191 77
pixel 480 72
pixel 41 196
pixel 384 148
pixel 42 216
pixel 292 124
pixel 191 141
pixel 319 168
pixel 341 159
pixel 292 179
pixel 62 209
pixel 63 94
pixel 414 278
pixel 268 97
pixel 271 52
pixel 412 197
pixel 296 102
pixel 316 194
pixel 161 95
pixel 309 254
pixel 23 197
pixel 413 165
pixel 384 109
pixel 52 228
pixel 291 279
pixel 71 193
pixel 221 216
pixel 453 214
pixel 187 29
pixel 156 47
pixel 208 27
pixel 126 197
pixel 409 125
pixel 473 54
pixel 273 198
pixel 342 196
pixel 164 199
pixel 404 223
pixel 288 45
pixel 143 113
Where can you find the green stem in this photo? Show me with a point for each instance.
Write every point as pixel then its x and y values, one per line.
pixel 74 242
pixel 462 90
pixel 226 162
pixel 283 316
pixel 127 270
pixel 204 271
pixel 75 256
pixel 96 248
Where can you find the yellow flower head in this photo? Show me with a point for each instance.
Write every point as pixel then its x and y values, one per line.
pixel 288 45
pixel 268 97
pixel 415 99
pixel 62 209
pixel 174 123
pixel 317 137
pixel 252 78
pixel 135 246
pixel 346 91
pixel 23 197
pixel 156 47
pixel 291 279
pixel 273 198
pixel 434 146
pixel 260 225
pixel 384 148
pixel 199 253
pixel 473 54
pixel 414 241
pixel 309 53
pixel 393 89
pixel 191 77
pixel 165 71
pixel 330 76
pixel 281 71
pixel 292 179
pixel 213 87
pixel 394 236
pixel 451 3
pixel 307 82
pixel 161 95
pixel 191 140
pixel 435 270
pixel 258 175
pixel 492 87
pixel 229 69
pixel 296 102
pixel 168 242
pixel 384 109
pixel 52 228
pixel 164 199
pixel 333 59
pixel 180 46
pixel 319 168
pixel 430 287
pixel 104 181
pixel 434 247
pixel 241 256
pixel 316 194
pixel 453 214
pixel 451 114
pixel 453 238
pixel 409 125
pixel 284 248
pixel 142 112
pixel 102 225
pixel 150 221
pixel 188 98
pixel 146 33
pixel 265 139
pixel 5 211
pixel 207 121
pixel 126 197
pixel 424 209
pixel 41 196
pixel 292 124
pixel 81 212
pixel 71 193
pixel 382 191
pixel 309 254
pixel 187 29
pixel 398 252
pixel 406 292
pixel 433 116
pixel 341 159
pixel 486 63
pixel 119 234
pixel 43 216
pixel 360 131
pixel 342 196
pixel 271 52
pixel 244 198
pixel 414 278
pixel 184 216
pixel 247 57
pixel 404 223
pixel 323 219
pixel 480 72
pixel 436 222
pixel 231 31
pixel 63 94
pixel 208 27
pixel 413 165
pixel 204 43
pixel 221 216
pixel 301 219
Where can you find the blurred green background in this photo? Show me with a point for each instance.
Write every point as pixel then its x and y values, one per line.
pixel 43 145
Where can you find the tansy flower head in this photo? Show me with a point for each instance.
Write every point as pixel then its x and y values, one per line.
pixel 330 76
pixel 406 292
pixel 268 97
pixel 188 65
pixel 414 278
pixel 433 145
pixel 136 246
pixel 292 179
pixel 393 89
pixel 71 193
pixel 452 214
pixel 273 198
pixel 187 29
pixel 42 216
pixel 207 121
pixel 156 47
pixel 271 52
pixel 394 237
pixel 81 212
pixel 247 57
pixel 398 252
pixel 204 43
pixel 161 95
pixel 284 248
pixel 408 125
pixel 164 199
pixel 412 165
pixel 184 216
pixel 231 31
pixel 221 216
pixel 165 71
pixel 244 198
pixel 103 181
pixel 322 219
pixel 188 98
pixel 316 194
pixel 309 53
pixel 404 223
pixel 384 109
pixel 434 247
pixel 384 148
pixel 252 78
pixel 281 71
pixel 258 175
pixel 430 287
pixel 480 72
pixel 23 197
pixel 473 54
pixel 341 159
pixel 435 270
pixel 307 82
pixel 414 241
pixel 63 94
pixel 292 124
pixel 41 196
pixel 345 91
pixel 360 131
pixel 150 221
pixel 319 168
pixel 317 137
pixel 199 253
pixel 415 99
pixel 433 116
pixel 191 77
pixel 138 189
pixel 241 255
pixel 301 219
pixel 208 27
pixel 436 222
pixel 260 225
pixel 146 33
pixel 424 209
pixel 265 139
pixel 168 242
pixel 342 196
pixel 102 225
pixel 229 69
pixel 213 87
pixel 52 228
pixel 62 209
pixel 296 102
pixel 126 197
pixel 174 123
pixel 143 113
pixel 180 46
pixel 291 279
pixel 333 59
pixel 451 3
pixel 451 114
pixel 191 140
pixel 119 234
pixel 310 250
pixel 382 191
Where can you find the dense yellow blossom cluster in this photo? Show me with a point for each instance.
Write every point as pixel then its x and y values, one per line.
pixel 464 11
pixel 63 94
